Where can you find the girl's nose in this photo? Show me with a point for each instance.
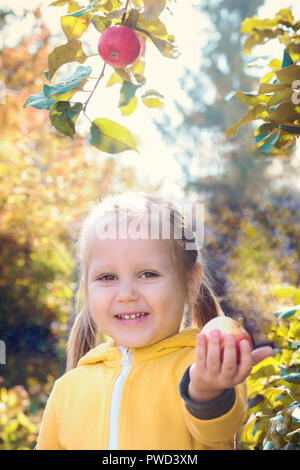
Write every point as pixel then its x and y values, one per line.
pixel 127 294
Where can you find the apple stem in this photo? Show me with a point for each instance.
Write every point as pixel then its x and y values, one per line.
pixel 124 15
pixel 241 321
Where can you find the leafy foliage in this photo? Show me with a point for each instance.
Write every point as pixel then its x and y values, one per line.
pixel 142 17
pixel 18 428
pixel 273 420
pixel 250 250
pixel 277 100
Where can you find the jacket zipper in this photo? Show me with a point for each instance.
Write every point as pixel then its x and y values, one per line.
pixel 116 397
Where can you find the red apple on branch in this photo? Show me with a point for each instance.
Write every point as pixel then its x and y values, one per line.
pixel 119 46
pixel 227 325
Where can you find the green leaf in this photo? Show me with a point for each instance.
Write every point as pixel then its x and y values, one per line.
pixel 63 116
pixel 293 378
pixel 127 92
pixel 111 137
pixel 69 52
pixel 101 23
pixel 46 73
pixel 80 12
pixel 268 445
pixel 287 60
pixel 286 312
pixel 270 141
pixel 132 18
pixel 68 83
pixel 255 401
pixel 39 101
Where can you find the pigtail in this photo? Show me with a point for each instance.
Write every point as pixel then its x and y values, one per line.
pixel 82 338
pixel 206 306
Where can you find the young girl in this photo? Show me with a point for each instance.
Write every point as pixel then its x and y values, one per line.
pixel 153 384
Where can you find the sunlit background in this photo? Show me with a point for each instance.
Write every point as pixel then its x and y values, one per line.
pixel 48 182
pixel 156 162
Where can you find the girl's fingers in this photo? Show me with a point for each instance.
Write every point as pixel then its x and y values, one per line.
pixel 261 353
pixel 213 362
pixel 246 361
pixel 201 351
pixel 229 365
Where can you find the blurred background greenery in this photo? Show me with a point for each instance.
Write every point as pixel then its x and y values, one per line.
pixel 252 204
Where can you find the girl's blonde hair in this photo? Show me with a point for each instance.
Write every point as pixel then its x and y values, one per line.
pixel 83 334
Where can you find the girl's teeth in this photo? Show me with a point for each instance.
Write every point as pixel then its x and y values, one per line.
pixel 132 317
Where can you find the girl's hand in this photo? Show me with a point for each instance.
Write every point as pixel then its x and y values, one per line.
pixel 209 377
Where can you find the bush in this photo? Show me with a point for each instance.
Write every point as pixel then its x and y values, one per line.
pixel 18 429
pixel 273 419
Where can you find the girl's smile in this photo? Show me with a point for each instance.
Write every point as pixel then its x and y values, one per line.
pixel 131 318
pixel 136 294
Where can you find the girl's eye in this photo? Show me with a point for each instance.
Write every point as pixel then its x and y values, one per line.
pixel 105 277
pixel 149 272
pixel 110 277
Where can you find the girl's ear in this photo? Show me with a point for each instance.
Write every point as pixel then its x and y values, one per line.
pixel 194 282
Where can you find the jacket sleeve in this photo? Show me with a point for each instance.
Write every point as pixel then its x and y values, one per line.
pixel 48 439
pixel 218 420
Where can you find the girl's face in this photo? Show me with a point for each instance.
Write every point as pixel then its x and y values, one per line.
pixel 127 277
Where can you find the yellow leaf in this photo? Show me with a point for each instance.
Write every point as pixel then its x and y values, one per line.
pixel 153 8
pixel 155 27
pixel 130 107
pixel 114 78
pixel 256 113
pixel 69 52
pixel 111 137
pixel 74 27
pixel 289 74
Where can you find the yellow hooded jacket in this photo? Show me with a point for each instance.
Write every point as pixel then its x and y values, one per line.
pixel 141 403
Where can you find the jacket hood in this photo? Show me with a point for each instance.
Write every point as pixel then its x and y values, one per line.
pixel 109 351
